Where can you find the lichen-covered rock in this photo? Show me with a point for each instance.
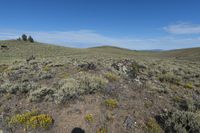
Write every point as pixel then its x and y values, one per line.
pixel 130 68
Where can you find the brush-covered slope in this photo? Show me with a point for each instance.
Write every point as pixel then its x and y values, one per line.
pixel 102 89
pixel 188 54
pixel 22 50
pixel 18 50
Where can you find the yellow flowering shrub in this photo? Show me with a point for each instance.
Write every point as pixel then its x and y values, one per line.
pixel 42 120
pixel 89 118
pixel 31 120
pixel 112 103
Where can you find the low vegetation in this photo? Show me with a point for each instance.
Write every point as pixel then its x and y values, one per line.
pixel 153 126
pixel 122 90
pixel 89 118
pixel 111 103
pixel 31 120
pixel 181 121
pixel 111 76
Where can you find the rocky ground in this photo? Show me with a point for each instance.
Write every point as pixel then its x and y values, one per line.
pixel 100 95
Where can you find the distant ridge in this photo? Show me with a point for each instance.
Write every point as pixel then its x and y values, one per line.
pixel 23 49
pixel 110 47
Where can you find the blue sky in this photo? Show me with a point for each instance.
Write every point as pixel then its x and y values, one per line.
pixel 134 24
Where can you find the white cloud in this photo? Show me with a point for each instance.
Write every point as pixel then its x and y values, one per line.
pixel 183 28
pixel 89 38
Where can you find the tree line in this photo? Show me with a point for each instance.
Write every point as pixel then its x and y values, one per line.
pixel 24 37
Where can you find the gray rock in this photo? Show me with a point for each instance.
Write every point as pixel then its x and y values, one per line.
pixel 128 122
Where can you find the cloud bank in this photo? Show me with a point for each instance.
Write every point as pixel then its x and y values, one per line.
pixel 183 28
pixel 90 38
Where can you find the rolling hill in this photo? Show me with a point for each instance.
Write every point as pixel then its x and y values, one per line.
pixel 97 90
pixel 22 50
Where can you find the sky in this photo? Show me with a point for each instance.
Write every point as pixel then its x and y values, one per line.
pixel 133 24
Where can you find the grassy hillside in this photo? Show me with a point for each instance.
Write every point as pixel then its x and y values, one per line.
pixel 100 90
pixel 21 50
pixel 187 54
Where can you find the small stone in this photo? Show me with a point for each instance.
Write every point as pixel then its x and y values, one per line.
pixel 128 123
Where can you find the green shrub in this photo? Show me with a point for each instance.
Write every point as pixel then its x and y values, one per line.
pixel 41 94
pixel 189 86
pixel 23 87
pixel 186 104
pixel 170 78
pixel 4 87
pixel 134 69
pixel 153 126
pixel 84 83
pixel 30 39
pixel 111 76
pixel 24 37
pixel 181 122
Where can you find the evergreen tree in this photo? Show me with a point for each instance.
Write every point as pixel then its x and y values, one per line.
pixel 24 37
pixel 30 39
